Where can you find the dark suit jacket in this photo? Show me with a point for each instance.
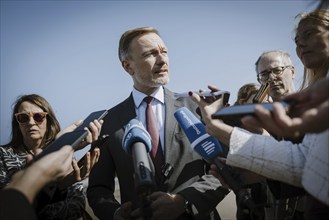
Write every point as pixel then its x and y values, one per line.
pixel 188 167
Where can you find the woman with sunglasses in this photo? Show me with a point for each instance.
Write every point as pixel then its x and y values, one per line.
pixel 34 126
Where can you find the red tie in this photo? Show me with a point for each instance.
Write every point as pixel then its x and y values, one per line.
pixel 156 152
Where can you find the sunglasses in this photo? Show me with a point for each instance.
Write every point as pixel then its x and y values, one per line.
pixel 24 118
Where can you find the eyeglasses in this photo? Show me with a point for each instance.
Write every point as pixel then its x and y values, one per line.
pixel 265 75
pixel 24 118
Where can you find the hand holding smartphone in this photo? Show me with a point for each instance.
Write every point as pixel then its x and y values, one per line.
pixel 208 96
pixel 74 137
pixel 238 111
pixel 98 143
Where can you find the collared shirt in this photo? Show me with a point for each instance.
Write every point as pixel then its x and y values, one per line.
pixel 158 108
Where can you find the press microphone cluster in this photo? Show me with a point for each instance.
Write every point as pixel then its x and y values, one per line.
pixel 209 149
pixel 137 142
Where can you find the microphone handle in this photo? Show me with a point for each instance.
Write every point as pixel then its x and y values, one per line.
pixel 144 181
pixel 143 175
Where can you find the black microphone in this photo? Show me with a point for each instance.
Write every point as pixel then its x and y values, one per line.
pixel 209 149
pixel 137 142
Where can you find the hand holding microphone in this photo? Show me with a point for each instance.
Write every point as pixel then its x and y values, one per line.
pixel 137 142
pixel 210 149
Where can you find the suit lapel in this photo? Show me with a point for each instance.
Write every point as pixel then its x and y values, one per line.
pixel 171 105
pixel 127 110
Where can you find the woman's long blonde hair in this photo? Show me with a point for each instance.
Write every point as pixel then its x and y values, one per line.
pixel 319 17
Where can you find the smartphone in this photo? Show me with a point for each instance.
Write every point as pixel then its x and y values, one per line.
pixel 72 138
pixel 100 141
pixel 261 93
pixel 98 115
pixel 239 111
pixel 208 95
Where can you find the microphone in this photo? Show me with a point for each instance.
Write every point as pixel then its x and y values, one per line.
pixel 137 142
pixel 209 149
pixel 204 144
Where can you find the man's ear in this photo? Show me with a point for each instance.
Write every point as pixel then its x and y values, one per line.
pixel 126 65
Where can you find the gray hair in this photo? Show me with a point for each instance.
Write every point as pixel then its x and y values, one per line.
pixel 284 54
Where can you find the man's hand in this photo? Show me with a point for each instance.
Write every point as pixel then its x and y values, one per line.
pixel 281 124
pixel 49 168
pixel 124 212
pixel 166 206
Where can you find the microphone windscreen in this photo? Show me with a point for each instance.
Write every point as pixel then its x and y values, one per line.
pixel 135 132
pixel 205 145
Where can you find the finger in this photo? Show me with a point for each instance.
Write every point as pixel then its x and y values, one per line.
pixel 83 169
pixel 94 156
pixel 93 131
pixel 99 125
pixel 88 138
pixel 280 115
pixel 70 128
pixel 76 170
pixel 213 88
pixel 195 97
pixel 29 158
pixel 284 121
pixel 87 166
pixel 73 126
pixel 251 121
pixel 262 113
pixel 268 121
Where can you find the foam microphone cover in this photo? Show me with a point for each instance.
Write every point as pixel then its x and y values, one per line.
pixel 207 146
pixel 136 132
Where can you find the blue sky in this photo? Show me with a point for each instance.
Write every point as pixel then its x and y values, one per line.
pixel 66 51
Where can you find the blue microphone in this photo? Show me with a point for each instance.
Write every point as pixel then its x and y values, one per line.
pixel 207 146
pixel 209 149
pixel 137 142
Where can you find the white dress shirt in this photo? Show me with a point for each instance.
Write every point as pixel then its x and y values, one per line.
pixel 158 108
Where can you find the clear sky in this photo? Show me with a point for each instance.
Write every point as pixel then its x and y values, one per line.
pixel 66 51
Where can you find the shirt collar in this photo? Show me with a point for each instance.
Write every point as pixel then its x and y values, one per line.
pixel 139 96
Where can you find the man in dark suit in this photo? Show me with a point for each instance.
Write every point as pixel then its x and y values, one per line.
pixel 187 192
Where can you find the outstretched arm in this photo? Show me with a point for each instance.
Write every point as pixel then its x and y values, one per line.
pixel 49 168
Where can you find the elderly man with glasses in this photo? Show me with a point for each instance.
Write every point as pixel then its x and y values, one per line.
pixel 275 67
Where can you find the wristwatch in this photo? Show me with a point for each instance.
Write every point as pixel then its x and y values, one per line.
pixel 188 207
